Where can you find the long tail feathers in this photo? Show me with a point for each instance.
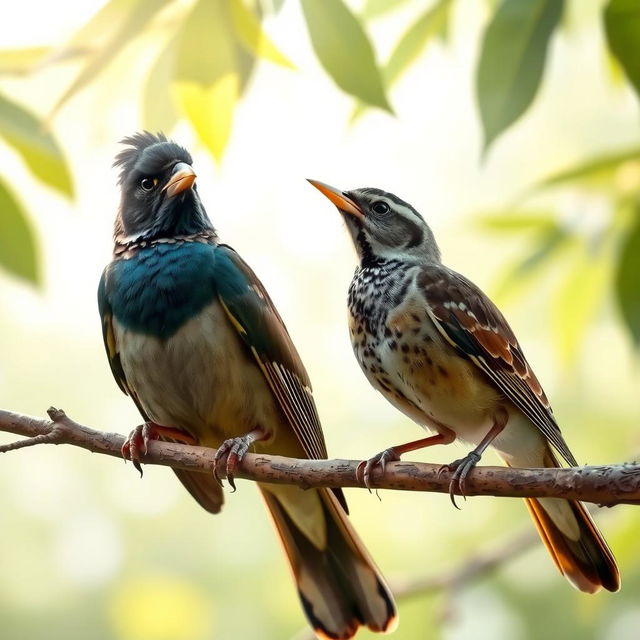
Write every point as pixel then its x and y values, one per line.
pixel 574 542
pixel 339 586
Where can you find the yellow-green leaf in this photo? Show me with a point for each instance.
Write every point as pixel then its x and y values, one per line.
pixel 18 254
pixel 627 285
pixel 210 110
pixel 158 109
pixel 122 21
pixel 414 41
pixel 512 59
pixel 21 61
pixel 622 26
pixel 207 80
pixel 411 45
pixel 578 299
pixel 594 170
pixel 253 37
pixel 344 50
pixel 509 221
pixel 37 147
pixel 378 8
pixel 549 244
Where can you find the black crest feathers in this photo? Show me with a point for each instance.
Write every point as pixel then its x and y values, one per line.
pixel 148 154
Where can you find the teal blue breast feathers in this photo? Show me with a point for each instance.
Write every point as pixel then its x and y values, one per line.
pixel 161 287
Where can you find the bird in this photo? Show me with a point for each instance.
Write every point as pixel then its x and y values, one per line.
pixel 194 339
pixel 440 351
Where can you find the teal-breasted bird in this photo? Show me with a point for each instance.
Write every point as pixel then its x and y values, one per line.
pixel 194 339
pixel 442 353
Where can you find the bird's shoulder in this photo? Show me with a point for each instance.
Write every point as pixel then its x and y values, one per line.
pixel 474 321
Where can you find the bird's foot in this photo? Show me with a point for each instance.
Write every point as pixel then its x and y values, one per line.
pixel 234 449
pixel 460 469
pixel 365 470
pixel 137 441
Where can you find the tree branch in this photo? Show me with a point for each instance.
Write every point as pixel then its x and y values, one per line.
pixel 605 485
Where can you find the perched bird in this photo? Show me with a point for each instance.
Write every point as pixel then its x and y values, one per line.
pixel 194 339
pixel 440 351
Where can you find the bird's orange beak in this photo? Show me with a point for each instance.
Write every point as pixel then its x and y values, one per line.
pixel 182 178
pixel 342 201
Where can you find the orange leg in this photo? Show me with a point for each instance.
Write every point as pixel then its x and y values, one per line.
pixel 137 442
pixel 392 454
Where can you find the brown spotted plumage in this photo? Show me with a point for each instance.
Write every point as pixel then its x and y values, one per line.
pixel 440 351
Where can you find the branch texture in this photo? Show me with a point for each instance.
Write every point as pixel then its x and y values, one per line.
pixel 605 485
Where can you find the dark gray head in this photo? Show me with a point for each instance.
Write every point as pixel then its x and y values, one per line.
pixel 382 226
pixel 159 194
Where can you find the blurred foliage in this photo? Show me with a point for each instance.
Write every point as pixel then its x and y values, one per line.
pixel 209 56
pixel 512 58
pixel 18 254
pixel 209 52
pixel 600 257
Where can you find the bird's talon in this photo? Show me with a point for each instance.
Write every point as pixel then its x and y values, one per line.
pixel 444 468
pixel 216 475
pixel 461 470
pixel 234 450
pixel 379 460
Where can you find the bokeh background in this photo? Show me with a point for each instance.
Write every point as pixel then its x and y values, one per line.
pixel 512 126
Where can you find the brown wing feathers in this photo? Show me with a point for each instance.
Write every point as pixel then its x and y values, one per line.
pixel 471 323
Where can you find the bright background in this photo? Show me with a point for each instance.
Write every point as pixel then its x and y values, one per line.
pixel 91 551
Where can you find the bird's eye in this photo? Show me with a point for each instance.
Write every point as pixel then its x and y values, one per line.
pixel 380 207
pixel 147 184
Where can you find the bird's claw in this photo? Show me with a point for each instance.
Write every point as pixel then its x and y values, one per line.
pixel 365 470
pixel 460 469
pixel 234 450
pixel 137 443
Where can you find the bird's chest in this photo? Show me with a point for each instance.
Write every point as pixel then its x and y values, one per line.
pixel 182 357
pixel 404 356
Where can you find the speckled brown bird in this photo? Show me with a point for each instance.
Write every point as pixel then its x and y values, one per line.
pixel 440 351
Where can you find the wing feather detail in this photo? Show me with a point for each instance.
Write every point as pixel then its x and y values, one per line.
pixel 253 314
pixel 474 326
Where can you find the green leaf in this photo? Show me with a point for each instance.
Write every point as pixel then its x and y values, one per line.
pixel 432 23
pixel 512 58
pixel 158 109
pixel 622 26
pixel 627 281
pixel 378 8
pixel 207 81
pixel 509 221
pixel 251 34
pixel 414 41
pixel 21 61
pixel 344 50
pixel 121 21
pixel 578 299
pixel 18 253
pixel 35 144
pixel 549 244
pixel 596 169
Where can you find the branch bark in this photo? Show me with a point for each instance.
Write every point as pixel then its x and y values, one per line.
pixel 604 485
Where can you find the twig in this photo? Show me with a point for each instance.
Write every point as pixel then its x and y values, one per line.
pixel 605 485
